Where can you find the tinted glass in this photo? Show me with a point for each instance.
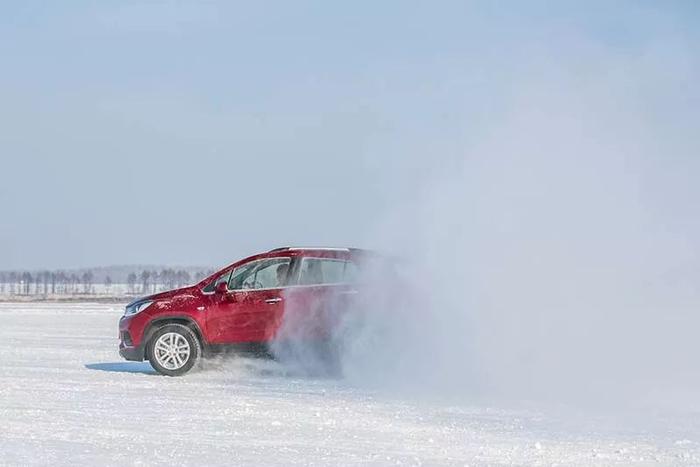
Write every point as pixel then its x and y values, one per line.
pixel 351 273
pixel 322 271
pixel 212 285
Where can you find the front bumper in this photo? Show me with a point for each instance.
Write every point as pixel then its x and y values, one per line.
pixel 134 354
pixel 127 348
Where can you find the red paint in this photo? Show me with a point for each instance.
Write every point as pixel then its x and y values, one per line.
pixel 253 311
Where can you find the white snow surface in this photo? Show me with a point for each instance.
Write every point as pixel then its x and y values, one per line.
pixel 66 397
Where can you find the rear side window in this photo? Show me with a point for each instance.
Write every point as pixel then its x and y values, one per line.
pixel 318 271
pixel 351 273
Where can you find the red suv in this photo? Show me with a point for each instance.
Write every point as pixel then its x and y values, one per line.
pixel 239 307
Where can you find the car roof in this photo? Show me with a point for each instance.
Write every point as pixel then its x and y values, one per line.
pixel 307 248
pixel 322 250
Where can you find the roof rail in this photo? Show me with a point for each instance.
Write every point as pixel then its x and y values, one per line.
pixel 326 248
pixel 322 248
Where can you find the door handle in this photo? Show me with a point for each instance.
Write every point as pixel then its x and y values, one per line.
pixel 273 300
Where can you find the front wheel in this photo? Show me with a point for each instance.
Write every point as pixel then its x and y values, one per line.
pixel 173 350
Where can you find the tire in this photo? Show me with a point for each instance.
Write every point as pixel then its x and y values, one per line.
pixel 174 349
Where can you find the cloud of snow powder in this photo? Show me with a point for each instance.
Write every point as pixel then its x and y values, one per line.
pixel 559 258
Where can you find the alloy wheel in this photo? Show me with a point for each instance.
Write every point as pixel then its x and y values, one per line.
pixel 172 350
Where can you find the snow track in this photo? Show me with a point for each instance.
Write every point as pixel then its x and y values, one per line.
pixel 67 398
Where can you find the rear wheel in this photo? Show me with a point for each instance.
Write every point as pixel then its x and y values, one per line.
pixel 173 350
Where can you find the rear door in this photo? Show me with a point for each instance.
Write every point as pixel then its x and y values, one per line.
pixel 320 294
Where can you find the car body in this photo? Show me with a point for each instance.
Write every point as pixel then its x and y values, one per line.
pixel 240 307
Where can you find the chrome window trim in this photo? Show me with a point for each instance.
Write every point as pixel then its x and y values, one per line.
pixel 296 286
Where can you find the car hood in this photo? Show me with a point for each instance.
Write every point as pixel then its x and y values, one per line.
pixel 169 294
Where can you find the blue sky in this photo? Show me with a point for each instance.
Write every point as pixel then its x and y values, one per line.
pixel 197 132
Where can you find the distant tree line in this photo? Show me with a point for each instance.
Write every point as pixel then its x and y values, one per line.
pixel 152 281
pixel 84 282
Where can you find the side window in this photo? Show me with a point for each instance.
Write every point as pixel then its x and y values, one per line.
pixel 352 273
pixel 262 274
pixel 212 285
pixel 315 271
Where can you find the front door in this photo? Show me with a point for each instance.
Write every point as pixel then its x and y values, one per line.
pixel 253 307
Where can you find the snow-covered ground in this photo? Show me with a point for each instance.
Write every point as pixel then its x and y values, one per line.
pixel 67 398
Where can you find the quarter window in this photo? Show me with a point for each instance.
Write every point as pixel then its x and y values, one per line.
pixel 212 285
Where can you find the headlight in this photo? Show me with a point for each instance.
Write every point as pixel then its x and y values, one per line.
pixel 137 307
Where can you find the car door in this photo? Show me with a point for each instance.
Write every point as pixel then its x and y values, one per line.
pixel 320 295
pixel 254 304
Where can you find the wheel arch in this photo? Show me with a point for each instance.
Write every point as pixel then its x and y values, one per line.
pixel 159 322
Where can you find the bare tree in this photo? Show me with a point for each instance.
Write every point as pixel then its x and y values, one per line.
pixel 62 279
pixel 183 278
pixel 145 281
pixel 45 277
pixel 26 282
pixel 87 281
pixel 164 277
pixel 74 281
pixel 131 282
pixel 108 284
pixel 169 278
pixel 37 283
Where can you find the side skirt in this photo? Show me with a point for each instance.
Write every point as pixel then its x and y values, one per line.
pixel 248 349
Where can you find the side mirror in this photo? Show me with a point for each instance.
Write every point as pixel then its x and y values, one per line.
pixel 221 288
